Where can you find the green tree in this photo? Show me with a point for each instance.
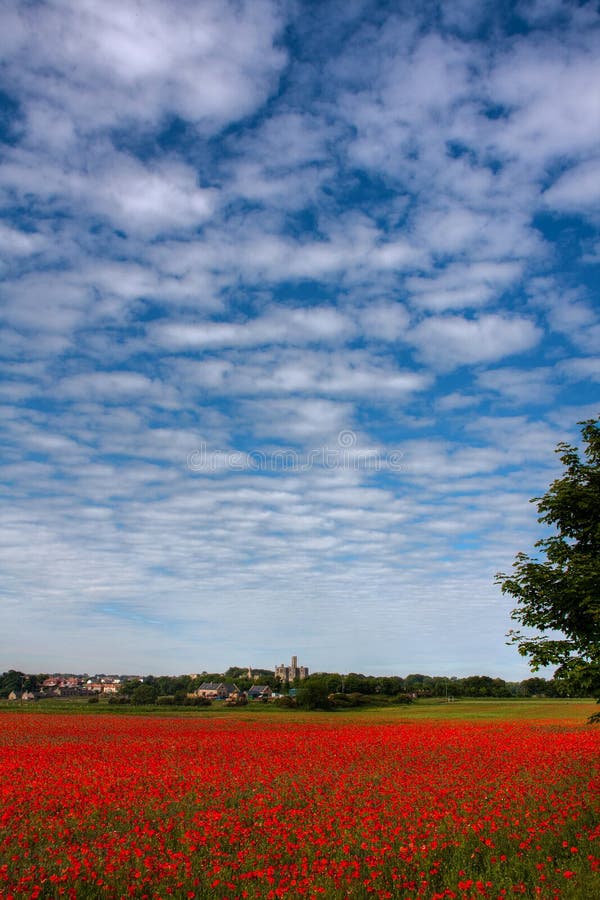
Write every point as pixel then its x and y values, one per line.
pixel 537 687
pixel 334 682
pixel 12 681
pixel 559 596
pixel 356 683
pixel 128 687
pixel 34 682
pixel 144 693
pixel 392 685
pixel 313 693
pixel 418 684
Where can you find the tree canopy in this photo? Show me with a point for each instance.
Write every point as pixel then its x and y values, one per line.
pixel 559 596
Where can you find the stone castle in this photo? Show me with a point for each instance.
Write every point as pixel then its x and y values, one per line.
pixel 292 672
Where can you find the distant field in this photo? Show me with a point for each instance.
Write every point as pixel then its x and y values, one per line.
pixel 505 710
pixel 565 710
pixel 478 799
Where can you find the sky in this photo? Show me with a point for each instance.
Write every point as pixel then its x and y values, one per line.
pixel 298 299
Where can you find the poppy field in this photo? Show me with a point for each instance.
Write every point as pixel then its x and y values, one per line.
pixel 119 807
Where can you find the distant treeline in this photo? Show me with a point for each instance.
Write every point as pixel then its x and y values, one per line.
pixel 333 683
pixel 437 686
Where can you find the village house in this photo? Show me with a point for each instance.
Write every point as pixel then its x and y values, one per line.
pixel 26 695
pixel 237 698
pixel 260 692
pixel 62 685
pixel 210 690
pixel 103 685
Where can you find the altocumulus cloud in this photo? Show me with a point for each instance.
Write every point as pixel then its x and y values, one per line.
pixel 358 241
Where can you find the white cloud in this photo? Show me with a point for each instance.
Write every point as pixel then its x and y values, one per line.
pixel 568 312
pixel 456 400
pixel 420 110
pixel 548 87
pixel 354 252
pixel 287 326
pixel 20 243
pixel 524 437
pixel 580 369
pixel 64 299
pixel 284 162
pixel 452 230
pixel 146 200
pixel 449 341
pixel 299 420
pixel 115 387
pixel 290 139
pixel 286 189
pixel 126 282
pixel 383 321
pixel 577 189
pixel 520 386
pixel 210 63
pixel 460 286
pixel 344 374
pixel 397 255
pixel 414 83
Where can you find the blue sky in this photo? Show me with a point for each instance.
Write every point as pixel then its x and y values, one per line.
pixel 297 301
